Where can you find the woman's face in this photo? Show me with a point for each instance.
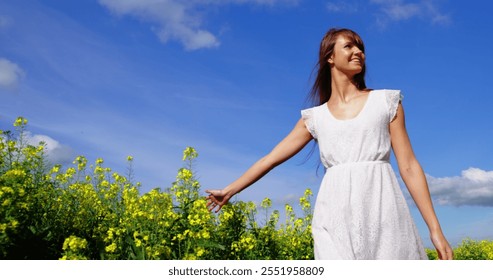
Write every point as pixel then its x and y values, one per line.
pixel 346 57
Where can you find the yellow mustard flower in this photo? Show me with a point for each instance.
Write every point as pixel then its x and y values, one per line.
pixel 6 202
pixel 189 153
pixel 111 248
pixel 20 121
pixel 200 252
pixel 74 243
pixel 266 203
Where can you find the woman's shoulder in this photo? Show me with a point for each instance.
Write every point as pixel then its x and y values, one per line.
pixel 385 91
pixel 315 107
pixel 389 95
pixel 390 99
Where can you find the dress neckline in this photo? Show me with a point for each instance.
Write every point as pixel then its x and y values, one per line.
pixel 357 115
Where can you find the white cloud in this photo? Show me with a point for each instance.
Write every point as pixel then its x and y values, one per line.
pixel 10 74
pixel 56 153
pixel 473 188
pixel 179 20
pixel 400 10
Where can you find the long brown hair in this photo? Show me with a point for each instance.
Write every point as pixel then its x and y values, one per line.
pixel 322 89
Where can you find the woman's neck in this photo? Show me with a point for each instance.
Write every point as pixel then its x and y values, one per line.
pixel 343 88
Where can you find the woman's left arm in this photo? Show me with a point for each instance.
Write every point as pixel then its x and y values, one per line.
pixel 413 176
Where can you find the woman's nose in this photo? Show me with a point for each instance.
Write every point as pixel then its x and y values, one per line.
pixel 358 52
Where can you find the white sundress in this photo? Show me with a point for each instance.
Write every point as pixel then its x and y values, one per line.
pixel 360 211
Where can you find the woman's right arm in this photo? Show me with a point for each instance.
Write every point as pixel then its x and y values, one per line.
pixel 288 147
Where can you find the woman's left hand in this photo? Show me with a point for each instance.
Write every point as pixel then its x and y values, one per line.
pixel 442 246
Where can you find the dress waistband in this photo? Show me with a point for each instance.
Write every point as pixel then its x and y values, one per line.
pixel 354 163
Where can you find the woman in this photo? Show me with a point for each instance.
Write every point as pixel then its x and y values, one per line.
pixel 360 212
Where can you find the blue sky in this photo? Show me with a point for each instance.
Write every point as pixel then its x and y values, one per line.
pixel 147 78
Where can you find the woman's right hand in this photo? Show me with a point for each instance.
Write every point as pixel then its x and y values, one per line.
pixel 217 198
pixel 288 147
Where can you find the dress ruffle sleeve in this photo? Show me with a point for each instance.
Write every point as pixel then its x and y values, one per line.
pixel 309 118
pixel 394 97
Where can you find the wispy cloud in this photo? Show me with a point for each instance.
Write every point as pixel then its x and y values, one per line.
pixel 10 74
pixel 397 9
pixel 474 187
pixel 400 10
pixel 258 2
pixel 342 7
pixel 434 14
pixel 390 11
pixel 177 20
